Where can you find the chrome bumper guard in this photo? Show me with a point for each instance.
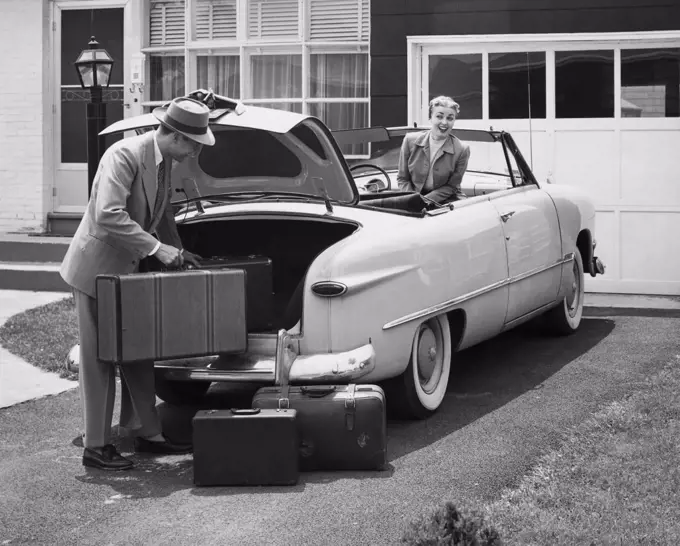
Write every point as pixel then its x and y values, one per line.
pixel 255 367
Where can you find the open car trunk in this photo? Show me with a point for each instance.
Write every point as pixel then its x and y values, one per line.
pixel 292 244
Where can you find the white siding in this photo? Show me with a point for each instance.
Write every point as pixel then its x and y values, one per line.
pixel 24 197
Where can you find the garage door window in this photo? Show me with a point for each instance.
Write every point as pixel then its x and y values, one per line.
pixel 458 76
pixel 650 83
pixel 514 80
pixel 584 84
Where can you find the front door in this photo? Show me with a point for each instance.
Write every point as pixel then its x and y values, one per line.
pixel 73 29
pixel 534 249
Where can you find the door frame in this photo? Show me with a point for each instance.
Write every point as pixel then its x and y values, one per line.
pixel 55 46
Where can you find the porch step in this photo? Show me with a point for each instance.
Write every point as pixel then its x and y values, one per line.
pixel 39 277
pixel 63 223
pixel 33 248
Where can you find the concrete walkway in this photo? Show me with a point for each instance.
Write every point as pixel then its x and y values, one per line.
pixel 20 381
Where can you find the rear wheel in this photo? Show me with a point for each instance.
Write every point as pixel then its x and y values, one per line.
pixel 566 317
pixel 180 393
pixel 420 390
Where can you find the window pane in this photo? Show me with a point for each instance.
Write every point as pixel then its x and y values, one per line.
pixel 343 116
pixel 343 75
pixel 460 77
pixel 509 77
pixel 220 73
pixel 276 76
pixel 650 83
pixel 167 77
pixel 584 84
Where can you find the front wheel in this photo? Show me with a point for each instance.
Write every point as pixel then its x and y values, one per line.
pixel 566 317
pixel 420 390
pixel 180 393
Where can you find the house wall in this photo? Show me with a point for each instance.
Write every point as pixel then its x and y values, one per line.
pixel 24 135
pixel 393 20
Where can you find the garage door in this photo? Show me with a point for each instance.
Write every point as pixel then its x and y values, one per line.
pixel 596 111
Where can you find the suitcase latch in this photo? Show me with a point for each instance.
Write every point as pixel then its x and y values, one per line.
pixel 284 403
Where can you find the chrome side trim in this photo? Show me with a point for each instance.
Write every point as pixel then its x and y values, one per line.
pixel 447 305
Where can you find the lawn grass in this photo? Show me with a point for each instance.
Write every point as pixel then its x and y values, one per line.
pixel 615 479
pixel 42 336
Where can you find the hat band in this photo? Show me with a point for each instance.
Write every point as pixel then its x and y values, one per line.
pixel 178 125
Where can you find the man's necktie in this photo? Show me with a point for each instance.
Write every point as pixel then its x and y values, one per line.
pixel 160 192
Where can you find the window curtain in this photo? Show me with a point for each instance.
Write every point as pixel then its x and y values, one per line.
pixel 276 76
pixel 221 74
pixel 339 75
pixel 167 78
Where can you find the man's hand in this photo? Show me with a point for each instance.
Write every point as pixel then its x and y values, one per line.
pixel 169 256
pixel 193 259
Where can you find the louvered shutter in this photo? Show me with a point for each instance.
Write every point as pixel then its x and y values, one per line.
pixel 339 20
pixel 215 19
pixel 273 18
pixel 166 23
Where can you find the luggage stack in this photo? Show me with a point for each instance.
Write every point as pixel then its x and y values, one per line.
pixel 289 429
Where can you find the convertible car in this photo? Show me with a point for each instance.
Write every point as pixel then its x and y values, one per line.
pixel 371 286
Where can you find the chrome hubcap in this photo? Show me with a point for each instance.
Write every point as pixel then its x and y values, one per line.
pixel 573 299
pixel 429 359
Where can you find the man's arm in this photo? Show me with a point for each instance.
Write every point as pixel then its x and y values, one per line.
pixel 117 171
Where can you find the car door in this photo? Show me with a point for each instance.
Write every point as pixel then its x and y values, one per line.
pixel 534 248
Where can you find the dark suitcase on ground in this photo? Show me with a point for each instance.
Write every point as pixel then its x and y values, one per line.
pixel 167 315
pixel 341 427
pixel 259 287
pixel 245 447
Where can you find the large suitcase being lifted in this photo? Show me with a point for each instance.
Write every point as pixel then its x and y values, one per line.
pixel 171 314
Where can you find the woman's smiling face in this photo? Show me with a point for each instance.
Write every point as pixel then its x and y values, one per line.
pixel 442 120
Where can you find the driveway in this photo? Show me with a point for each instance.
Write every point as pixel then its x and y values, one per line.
pixel 511 400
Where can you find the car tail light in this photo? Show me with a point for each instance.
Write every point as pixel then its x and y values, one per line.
pixel 329 289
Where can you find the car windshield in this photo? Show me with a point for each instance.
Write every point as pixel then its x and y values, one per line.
pixel 486 156
pixel 301 161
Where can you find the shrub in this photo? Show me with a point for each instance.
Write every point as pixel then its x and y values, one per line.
pixel 447 526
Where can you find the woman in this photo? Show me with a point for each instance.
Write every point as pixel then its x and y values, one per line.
pixel 433 162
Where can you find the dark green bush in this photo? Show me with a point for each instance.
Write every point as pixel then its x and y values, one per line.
pixel 446 526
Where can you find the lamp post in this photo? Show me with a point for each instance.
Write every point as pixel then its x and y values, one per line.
pixel 94 72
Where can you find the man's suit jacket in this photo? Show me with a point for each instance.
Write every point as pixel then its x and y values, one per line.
pixel 450 164
pixel 116 229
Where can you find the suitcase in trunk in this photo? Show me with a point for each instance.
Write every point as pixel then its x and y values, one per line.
pixel 341 427
pixel 167 315
pixel 259 287
pixel 245 447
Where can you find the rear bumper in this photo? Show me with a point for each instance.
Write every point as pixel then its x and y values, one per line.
pixel 270 360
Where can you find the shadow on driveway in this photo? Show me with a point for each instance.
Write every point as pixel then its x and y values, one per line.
pixel 493 373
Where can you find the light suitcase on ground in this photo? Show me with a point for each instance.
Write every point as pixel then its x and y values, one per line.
pixel 341 427
pixel 172 314
pixel 245 447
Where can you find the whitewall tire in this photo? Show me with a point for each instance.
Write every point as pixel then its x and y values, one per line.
pixel 423 384
pixel 566 317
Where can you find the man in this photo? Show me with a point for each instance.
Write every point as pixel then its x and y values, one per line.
pixel 130 202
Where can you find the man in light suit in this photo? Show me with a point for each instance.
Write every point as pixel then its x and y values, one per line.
pixel 128 218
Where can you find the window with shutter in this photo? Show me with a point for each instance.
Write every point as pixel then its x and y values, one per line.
pixel 339 20
pixel 166 23
pixel 273 18
pixel 215 19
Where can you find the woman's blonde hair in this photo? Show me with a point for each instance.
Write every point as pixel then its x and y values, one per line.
pixel 446 102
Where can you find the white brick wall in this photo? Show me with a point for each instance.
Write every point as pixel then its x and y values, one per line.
pixel 24 188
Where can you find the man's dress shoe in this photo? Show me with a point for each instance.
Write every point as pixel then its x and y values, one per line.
pixel 108 459
pixel 142 445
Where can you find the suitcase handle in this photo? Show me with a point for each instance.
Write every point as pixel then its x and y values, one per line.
pixel 245 411
pixel 317 391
